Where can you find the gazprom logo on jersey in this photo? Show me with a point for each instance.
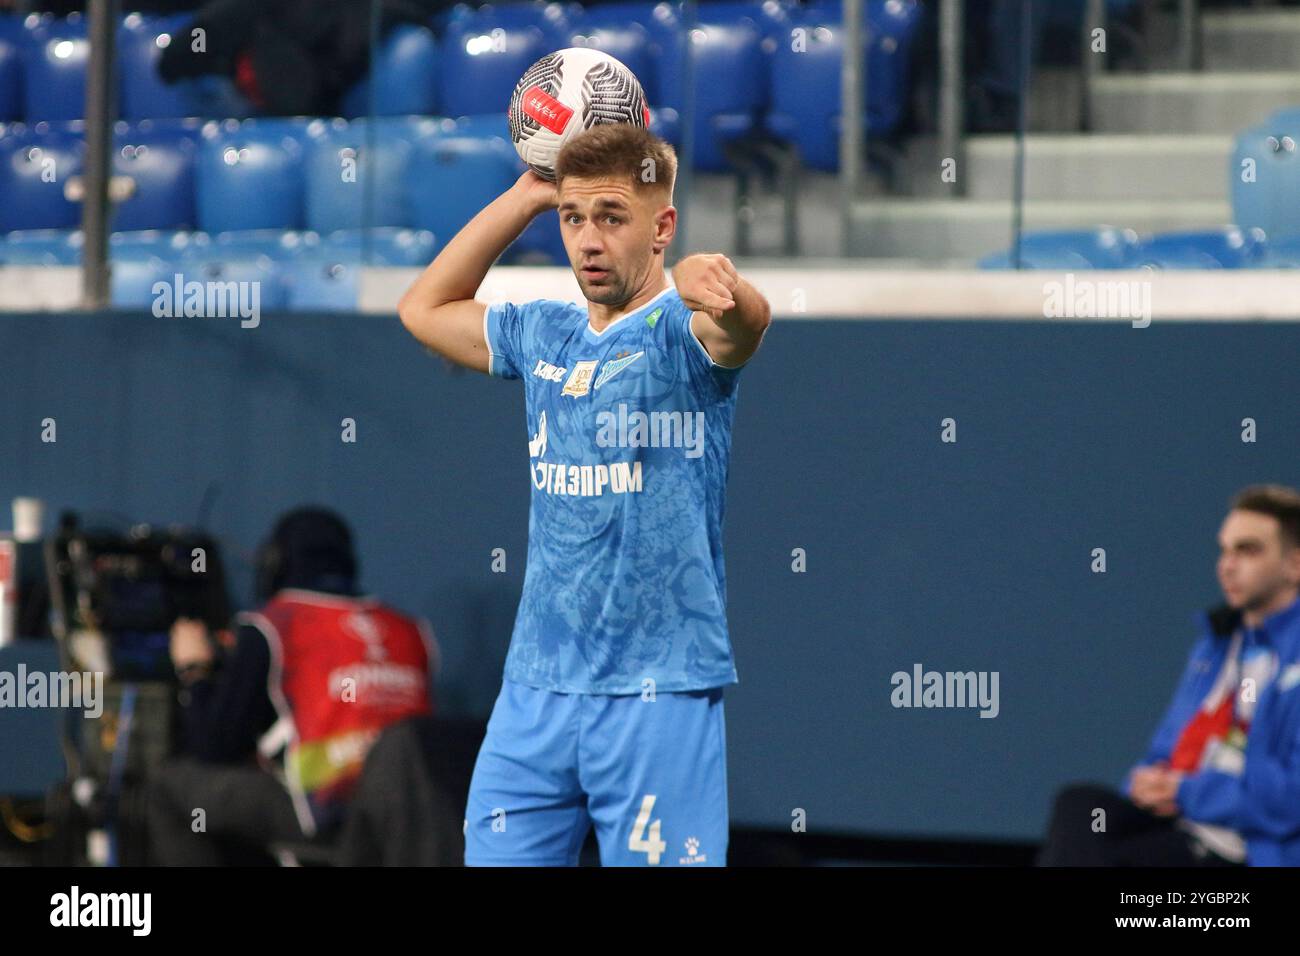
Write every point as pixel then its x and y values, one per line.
pixel 638 429
pixel 620 477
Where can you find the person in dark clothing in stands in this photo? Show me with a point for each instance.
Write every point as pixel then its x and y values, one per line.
pixel 277 715
pixel 1217 786
pixel 289 58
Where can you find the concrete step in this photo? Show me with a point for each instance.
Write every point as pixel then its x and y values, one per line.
pixel 1102 167
pixel 933 229
pixel 1250 40
pixel 1190 103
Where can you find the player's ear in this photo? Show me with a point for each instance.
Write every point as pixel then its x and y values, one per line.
pixel 665 227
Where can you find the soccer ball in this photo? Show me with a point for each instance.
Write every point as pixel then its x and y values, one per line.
pixel 567 92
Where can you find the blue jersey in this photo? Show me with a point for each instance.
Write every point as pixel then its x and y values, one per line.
pixel 629 442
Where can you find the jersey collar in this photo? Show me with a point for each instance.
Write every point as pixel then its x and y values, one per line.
pixel 591 335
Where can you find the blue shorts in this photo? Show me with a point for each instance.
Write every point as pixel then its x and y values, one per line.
pixel 650 775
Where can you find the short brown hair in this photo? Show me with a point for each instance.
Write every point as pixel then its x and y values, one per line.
pixel 619 151
pixel 1278 501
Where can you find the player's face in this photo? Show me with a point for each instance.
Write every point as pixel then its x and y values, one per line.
pixel 611 232
pixel 1254 564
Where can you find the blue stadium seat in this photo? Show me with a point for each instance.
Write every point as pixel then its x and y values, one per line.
pixel 540 242
pixel 1227 247
pixel 41 247
pixel 1271 201
pixel 11 27
pixel 1105 247
pixel 729 86
pixel 453 177
pixel 335 172
pixel 661 24
pixel 627 43
pixel 553 19
pixel 205 263
pixel 140 43
pixel 54 68
pixel 405 77
pixel 159 159
pixel 322 283
pixel 482 125
pixel 11 80
pixel 36 164
pixel 249 175
pixel 385 246
pixel 479 67
pixel 806 103
pixel 277 245
pixel 140 259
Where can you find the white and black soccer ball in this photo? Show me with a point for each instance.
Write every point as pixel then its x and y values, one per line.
pixel 567 92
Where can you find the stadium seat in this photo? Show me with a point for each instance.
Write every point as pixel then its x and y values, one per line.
pixel 277 245
pixel 405 77
pixel 140 259
pixel 205 263
pixel 480 67
pixel 385 246
pixel 662 27
pixel 806 103
pixel 54 68
pixel 11 76
pixel 1063 249
pixel 453 177
pixel 627 43
pixel 249 175
pixel 1271 200
pixel 482 125
pixel 36 164
pixel 335 175
pixel 540 243
pixel 729 87
pixel 41 247
pixel 321 283
pixel 1227 247
pixel 141 41
pixel 159 159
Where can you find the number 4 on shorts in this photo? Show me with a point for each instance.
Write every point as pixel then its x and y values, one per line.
pixel 653 846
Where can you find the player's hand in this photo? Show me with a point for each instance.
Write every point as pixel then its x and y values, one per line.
pixel 706 283
pixel 540 194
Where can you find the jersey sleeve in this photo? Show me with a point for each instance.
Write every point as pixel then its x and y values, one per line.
pixel 504 328
pixel 694 361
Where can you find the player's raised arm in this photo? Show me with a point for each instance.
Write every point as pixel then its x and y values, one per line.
pixel 730 314
pixel 439 309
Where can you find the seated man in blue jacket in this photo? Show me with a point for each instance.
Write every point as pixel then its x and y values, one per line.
pixel 1220 782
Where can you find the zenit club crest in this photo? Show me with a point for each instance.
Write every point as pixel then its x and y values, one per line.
pixel 579 382
pixel 614 366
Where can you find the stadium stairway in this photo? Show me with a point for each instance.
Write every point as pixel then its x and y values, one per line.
pixel 1158 159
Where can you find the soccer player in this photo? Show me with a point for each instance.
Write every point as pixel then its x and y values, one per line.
pixel 610 711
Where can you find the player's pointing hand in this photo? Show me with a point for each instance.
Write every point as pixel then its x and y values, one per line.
pixel 706 282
